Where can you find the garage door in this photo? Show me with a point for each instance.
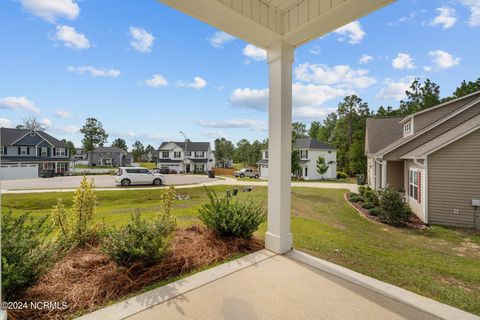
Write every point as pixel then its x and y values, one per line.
pixel 264 172
pixel 20 171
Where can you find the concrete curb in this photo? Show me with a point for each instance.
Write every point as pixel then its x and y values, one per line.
pixel 435 308
pixel 151 298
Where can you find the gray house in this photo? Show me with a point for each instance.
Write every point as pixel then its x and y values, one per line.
pixel 22 150
pixel 434 156
pixel 111 157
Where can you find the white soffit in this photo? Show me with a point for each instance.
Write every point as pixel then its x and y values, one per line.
pixel 264 22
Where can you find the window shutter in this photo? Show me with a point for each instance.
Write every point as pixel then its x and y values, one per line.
pixel 39 151
pixel 19 150
pixel 54 152
pixel 419 187
pixel 5 150
pixel 28 150
pixel 48 152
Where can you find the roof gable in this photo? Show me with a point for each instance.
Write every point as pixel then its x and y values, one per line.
pixel 191 146
pixel 310 143
pixel 29 139
pixel 381 132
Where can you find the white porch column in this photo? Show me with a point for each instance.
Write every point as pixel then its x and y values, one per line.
pixel 280 58
pixel 384 173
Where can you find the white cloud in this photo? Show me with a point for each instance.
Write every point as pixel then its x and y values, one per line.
pixel 215 134
pixel 364 59
pixel 197 83
pixel 256 99
pixel 443 59
pixel 156 81
pixel 50 10
pixel 63 114
pixel 303 95
pixel 403 61
pixel 220 38
pixel 254 53
pixel 474 6
pixel 5 123
pixel 257 125
pixel 66 129
pixel 311 112
pixel 446 18
pixel 315 50
pixel 141 40
pixel 71 38
pixel 46 123
pixel 353 31
pixel 113 73
pixel 18 103
pixel 341 75
pixel 395 89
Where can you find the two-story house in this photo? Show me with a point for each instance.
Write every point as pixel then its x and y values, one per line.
pixel 111 157
pixel 432 155
pixel 310 150
pixel 186 156
pixel 21 148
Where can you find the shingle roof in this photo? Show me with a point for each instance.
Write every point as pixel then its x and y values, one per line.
pixel 191 146
pixel 10 135
pixel 310 143
pixel 381 132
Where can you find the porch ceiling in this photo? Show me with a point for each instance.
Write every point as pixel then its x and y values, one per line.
pixel 264 22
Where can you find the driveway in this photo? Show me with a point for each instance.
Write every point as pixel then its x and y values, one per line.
pixel 101 181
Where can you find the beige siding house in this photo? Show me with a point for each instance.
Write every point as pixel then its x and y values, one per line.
pixel 434 157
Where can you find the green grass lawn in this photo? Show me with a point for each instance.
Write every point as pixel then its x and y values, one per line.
pixel 148 165
pixel 438 262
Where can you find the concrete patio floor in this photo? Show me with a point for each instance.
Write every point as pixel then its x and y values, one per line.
pixel 280 288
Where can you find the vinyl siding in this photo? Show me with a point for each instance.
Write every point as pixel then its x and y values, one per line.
pixel 425 119
pixel 454 180
pixel 429 135
pixel 395 174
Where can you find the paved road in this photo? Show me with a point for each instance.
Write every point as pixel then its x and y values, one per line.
pixel 101 181
pixel 106 183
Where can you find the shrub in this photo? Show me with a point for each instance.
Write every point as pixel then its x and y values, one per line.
pixel 26 253
pixel 228 217
pixel 368 205
pixel 341 175
pixel 371 196
pixel 361 190
pixel 140 241
pixel 75 226
pixel 353 197
pixel 375 211
pixel 394 210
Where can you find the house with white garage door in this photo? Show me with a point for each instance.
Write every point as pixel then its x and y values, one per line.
pixel 186 156
pixel 310 150
pixel 31 154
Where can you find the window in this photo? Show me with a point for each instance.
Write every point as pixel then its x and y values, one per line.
pixel 61 152
pixel 189 153
pixel 23 151
pixel 304 154
pixel 44 152
pixel 61 167
pixel 407 129
pixel 199 154
pixel 177 154
pixel 144 171
pixel 266 155
pixel 32 134
pixel 165 154
pixel 414 184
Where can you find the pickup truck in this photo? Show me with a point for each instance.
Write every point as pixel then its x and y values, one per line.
pixel 245 172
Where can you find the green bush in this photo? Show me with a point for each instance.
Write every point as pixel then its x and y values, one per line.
pixel 371 196
pixel 394 210
pixel 26 253
pixel 375 211
pixel 368 205
pixel 353 197
pixel 341 175
pixel 140 240
pixel 361 190
pixel 228 217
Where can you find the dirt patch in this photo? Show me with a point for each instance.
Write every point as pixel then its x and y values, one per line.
pixel 87 279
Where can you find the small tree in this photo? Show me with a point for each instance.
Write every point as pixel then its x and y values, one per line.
pixel 120 143
pixel 93 136
pixel 75 226
pixel 138 150
pixel 31 123
pixel 322 166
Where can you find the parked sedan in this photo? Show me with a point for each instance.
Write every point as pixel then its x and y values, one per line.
pixel 137 175
pixel 164 171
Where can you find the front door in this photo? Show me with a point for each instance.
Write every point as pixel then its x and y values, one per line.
pixel 188 168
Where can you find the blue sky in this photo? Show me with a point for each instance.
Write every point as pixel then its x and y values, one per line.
pixel 147 71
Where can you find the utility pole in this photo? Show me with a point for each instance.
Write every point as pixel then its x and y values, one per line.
pixel 185 152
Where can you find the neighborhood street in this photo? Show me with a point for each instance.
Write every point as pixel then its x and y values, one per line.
pixel 107 183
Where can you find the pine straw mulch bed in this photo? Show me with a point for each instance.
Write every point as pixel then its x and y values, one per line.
pixel 414 223
pixel 87 279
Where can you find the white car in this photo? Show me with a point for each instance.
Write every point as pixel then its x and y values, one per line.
pixel 137 175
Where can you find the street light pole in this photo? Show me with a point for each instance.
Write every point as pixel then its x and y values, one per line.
pixel 185 152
